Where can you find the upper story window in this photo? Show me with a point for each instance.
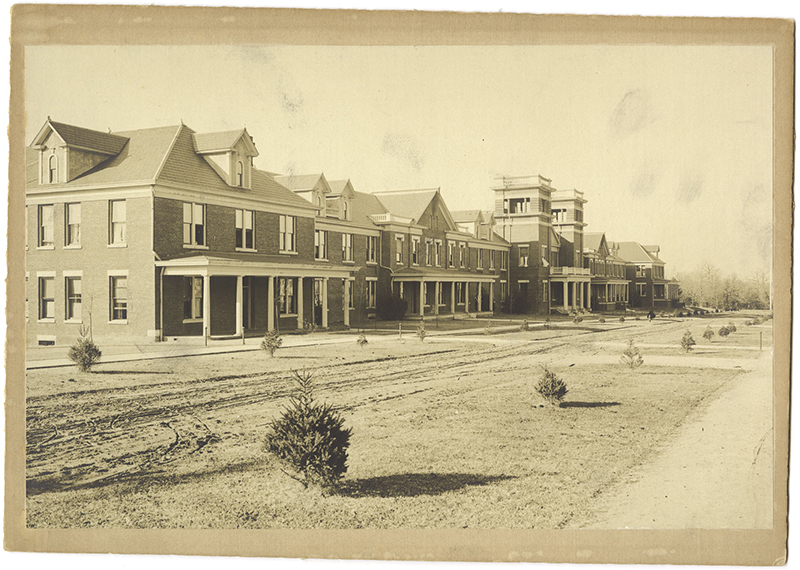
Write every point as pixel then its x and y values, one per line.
pixel 245 229
pixel 239 173
pixel 578 215
pixel 46 226
pixel 320 244
pixel 117 219
pixel 462 254
pixel 503 260
pixel 480 259
pixel 194 224
pixel 523 256
pixel 286 231
pixel 52 169
pixel 517 206
pixel 559 215
pixel 398 242
pixel 451 254
pixel 72 219
pixel 491 259
pixel 545 205
pixel 347 247
pixel 415 251
pixel 640 271
pixel 428 252
pixel 372 249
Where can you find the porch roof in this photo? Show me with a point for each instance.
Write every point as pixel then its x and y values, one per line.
pixel 250 264
pixel 438 274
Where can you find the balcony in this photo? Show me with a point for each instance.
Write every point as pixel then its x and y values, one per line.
pixel 389 218
pixel 522 181
pixel 570 271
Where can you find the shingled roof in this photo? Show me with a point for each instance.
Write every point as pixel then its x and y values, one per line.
pixel 634 252
pixel 223 140
pixel 88 139
pixel 407 203
pixel 299 182
pixel 364 205
pixel 464 216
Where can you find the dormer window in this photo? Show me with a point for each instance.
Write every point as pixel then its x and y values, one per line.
pixel 239 174
pixel 52 169
pixel 345 211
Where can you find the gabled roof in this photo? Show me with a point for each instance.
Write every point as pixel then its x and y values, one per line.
pixel 487 215
pixel 340 187
pixel 467 216
pixel 407 203
pixel 362 206
pixel 98 141
pixel 301 182
pixel 633 251
pixel 205 143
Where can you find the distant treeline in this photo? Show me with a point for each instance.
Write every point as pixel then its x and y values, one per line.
pixel 707 287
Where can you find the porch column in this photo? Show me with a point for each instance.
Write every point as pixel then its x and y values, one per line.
pixel 491 296
pixel 581 288
pixel 346 302
pixel 206 306
pixel 422 298
pixel 589 295
pixel 574 300
pixel 480 298
pixel 300 303
pixel 453 297
pixel 438 286
pixel 239 296
pixel 324 302
pixel 270 303
pixel 606 297
pixel 466 296
pixel 566 296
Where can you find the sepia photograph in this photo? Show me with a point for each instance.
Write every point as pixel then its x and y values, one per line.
pixel 314 285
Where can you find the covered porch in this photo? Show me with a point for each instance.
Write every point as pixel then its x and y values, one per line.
pixel 435 293
pixel 234 296
pixel 610 294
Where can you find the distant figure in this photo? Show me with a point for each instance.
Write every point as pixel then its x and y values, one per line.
pixel 651 315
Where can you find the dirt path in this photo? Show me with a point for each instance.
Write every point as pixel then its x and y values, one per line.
pixel 716 472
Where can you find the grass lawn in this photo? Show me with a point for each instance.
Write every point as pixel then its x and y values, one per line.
pixel 447 435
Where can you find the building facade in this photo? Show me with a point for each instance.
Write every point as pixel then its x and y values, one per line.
pixel 169 233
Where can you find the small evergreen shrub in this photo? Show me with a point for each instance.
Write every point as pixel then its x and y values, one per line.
pixel 687 342
pixel 361 340
pixel 309 326
pixel 271 342
pixel 577 319
pixel 724 331
pixel 708 334
pixel 421 332
pixel 551 387
pixel 547 323
pixel 732 327
pixel 602 320
pixel 524 326
pixel 309 437
pixel 680 314
pixel 488 329
pixel 84 353
pixel 749 323
pixel 631 357
pixel 622 319
pixel 638 318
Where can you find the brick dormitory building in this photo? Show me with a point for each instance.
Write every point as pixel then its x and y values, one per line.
pixel 166 232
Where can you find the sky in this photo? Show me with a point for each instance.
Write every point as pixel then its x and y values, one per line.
pixel 671 145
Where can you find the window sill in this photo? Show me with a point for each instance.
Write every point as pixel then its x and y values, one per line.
pixel 348 262
pixel 73 246
pixel 372 263
pixel 286 252
pixel 46 321
pixel 118 245
pixel 245 249
pixel 322 260
pixel 45 247
pixel 118 322
pixel 73 322
pixel 287 315
pixel 190 321
pixel 194 246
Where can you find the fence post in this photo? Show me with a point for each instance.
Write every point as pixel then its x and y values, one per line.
pixel 760 339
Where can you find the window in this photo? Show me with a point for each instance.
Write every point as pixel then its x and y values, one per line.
pixel 287 301
pixel 117 214
pixel 503 260
pixel 523 256
pixel 320 244
pixel 491 259
pixel 523 288
pixel 428 252
pixel 192 298
pixel 504 290
pixel 72 215
pixel 519 205
pixel 559 215
pixel 286 235
pixel 640 271
pixel 641 289
pixel 47 298
pixel 239 173
pixel 462 254
pixel 194 224
pixel 372 248
pixel 440 297
pixel 398 242
pixel 415 251
pixel 371 288
pixel 480 259
pixel 46 226
pixel 438 252
pixel 544 291
pixel 545 261
pixel 351 304
pixel 52 170
pixel 73 290
pixel 578 215
pixel 347 247
pixel 245 224
pixel 118 289
pixel 345 211
pixel 460 293
pixel 451 249
pixel 545 205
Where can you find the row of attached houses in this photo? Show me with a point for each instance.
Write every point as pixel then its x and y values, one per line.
pixel 166 232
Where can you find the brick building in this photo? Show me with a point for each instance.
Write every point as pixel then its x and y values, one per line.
pixel 166 233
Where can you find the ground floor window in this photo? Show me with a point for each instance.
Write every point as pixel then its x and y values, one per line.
pixel 118 288
pixel 286 297
pixel 371 290
pixel 73 290
pixel 440 298
pixel 460 293
pixel 523 288
pixel 350 285
pixel 544 291
pixel 641 289
pixel 192 298
pixel 47 298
